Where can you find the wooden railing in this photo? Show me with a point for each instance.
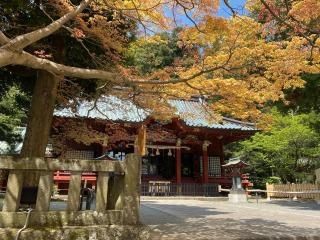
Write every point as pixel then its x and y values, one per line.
pixel 117 193
pixel 167 188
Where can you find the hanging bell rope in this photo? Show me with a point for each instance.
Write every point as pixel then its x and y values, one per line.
pixel 141 140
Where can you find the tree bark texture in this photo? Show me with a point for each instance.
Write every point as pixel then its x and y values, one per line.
pixel 39 120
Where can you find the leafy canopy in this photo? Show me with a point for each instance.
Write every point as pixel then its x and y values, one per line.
pixel 235 65
pixel 290 149
pixel 238 64
pixel 12 114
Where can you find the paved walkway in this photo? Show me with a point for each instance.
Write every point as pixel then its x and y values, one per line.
pixel 194 219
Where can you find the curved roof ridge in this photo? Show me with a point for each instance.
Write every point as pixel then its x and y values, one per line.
pixel 239 121
pixel 192 113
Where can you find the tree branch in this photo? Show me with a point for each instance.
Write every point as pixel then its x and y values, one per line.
pixel 226 2
pixel 3 38
pixel 279 19
pixel 77 39
pixel 28 60
pixel 197 74
pixel 283 21
pixel 22 41
pixel 23 58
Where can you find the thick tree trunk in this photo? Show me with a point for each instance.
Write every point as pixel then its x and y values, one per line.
pixel 41 113
pixel 40 119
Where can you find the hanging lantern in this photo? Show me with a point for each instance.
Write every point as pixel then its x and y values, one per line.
pixel 157 152
pixel 169 153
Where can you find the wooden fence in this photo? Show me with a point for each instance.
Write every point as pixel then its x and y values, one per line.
pixel 117 195
pixel 303 190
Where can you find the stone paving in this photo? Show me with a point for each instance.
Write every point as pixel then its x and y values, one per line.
pixel 194 219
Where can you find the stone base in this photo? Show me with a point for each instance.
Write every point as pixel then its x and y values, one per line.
pixel 237 196
pixel 111 232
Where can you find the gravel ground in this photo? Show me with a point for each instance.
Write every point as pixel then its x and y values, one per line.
pixel 194 219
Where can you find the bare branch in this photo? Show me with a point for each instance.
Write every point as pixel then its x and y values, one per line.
pixel 22 41
pixel 226 2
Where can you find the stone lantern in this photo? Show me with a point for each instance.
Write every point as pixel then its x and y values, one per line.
pixel 233 169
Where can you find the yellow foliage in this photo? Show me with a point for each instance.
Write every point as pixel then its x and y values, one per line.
pixel 306 10
pixel 237 64
pixel 247 71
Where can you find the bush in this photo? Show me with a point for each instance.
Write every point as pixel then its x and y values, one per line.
pixel 273 180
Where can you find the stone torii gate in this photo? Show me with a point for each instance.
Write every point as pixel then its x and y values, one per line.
pixel 117 199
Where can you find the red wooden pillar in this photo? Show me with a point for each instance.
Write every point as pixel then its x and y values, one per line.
pixel 205 162
pixel 221 158
pixel 178 162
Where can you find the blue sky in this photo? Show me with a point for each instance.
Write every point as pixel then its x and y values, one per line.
pixel 224 11
pixel 237 4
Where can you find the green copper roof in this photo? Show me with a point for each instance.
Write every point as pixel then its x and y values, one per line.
pixel 193 113
pixel 235 162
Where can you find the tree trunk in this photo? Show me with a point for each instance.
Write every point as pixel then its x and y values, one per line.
pixel 41 113
pixel 40 120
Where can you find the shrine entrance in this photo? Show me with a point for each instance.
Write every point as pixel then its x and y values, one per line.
pixel 181 152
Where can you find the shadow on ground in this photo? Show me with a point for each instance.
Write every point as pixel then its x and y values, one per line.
pixel 297 205
pixel 173 221
pixel 153 214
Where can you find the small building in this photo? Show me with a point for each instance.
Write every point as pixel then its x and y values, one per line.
pixel 185 149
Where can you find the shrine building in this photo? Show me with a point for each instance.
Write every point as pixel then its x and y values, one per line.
pixel 186 150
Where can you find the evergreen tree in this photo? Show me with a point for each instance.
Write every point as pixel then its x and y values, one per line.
pixel 13 107
pixel 290 149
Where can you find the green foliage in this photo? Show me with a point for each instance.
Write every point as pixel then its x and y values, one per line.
pixel 149 56
pixel 12 114
pixel 273 180
pixel 21 16
pixel 303 100
pixel 289 150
